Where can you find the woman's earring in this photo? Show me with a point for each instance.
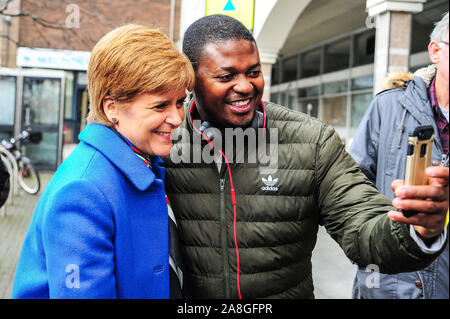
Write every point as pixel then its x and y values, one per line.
pixel 114 120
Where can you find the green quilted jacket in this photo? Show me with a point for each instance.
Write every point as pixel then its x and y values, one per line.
pixel 278 214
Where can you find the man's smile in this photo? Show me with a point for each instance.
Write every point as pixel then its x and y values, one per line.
pixel 240 106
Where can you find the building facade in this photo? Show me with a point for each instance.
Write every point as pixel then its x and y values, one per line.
pixel 45 48
pixel 328 58
pixel 336 56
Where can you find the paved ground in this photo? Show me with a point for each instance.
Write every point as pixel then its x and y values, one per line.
pixel 332 271
pixel 13 227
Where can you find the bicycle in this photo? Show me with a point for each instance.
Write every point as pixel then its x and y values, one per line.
pixel 27 176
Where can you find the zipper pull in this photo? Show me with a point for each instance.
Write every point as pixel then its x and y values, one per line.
pixel 445 160
pixel 222 184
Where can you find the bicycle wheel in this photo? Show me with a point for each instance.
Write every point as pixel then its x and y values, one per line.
pixel 28 177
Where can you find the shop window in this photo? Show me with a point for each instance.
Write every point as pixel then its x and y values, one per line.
pixel 41 101
pixel 292 100
pixel 423 24
pixel 360 104
pixel 82 79
pixel 365 82
pixel 365 48
pixel 290 69
pixel 335 87
pixel 310 63
pixel 68 109
pixel 275 76
pixel 41 109
pixel 282 98
pixel 308 91
pixel 44 153
pixel 337 56
pixel 274 98
pixel 335 114
pixel 68 96
pixel 310 107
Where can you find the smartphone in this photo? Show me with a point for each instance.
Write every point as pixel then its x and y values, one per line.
pixel 418 157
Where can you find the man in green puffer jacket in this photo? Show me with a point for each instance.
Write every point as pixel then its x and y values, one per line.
pixel 248 228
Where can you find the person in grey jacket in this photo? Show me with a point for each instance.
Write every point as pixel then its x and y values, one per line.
pixel 380 146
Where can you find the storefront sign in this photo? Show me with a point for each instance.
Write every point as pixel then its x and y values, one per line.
pixel 53 59
pixel 242 10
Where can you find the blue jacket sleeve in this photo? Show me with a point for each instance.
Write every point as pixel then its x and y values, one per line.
pixel 78 236
pixel 364 148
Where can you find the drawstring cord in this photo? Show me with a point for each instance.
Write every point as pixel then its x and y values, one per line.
pixel 401 128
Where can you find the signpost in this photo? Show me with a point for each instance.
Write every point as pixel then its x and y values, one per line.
pixel 53 59
pixel 242 10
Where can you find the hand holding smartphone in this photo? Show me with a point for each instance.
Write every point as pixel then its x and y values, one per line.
pixel 418 158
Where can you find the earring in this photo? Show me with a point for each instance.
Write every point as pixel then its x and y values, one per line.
pixel 114 120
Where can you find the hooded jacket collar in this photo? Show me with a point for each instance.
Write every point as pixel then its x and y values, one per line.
pixel 416 99
pixel 121 155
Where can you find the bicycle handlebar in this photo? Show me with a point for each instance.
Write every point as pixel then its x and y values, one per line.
pixel 22 136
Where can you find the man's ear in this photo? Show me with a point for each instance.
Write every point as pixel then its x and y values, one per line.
pixel 109 108
pixel 434 51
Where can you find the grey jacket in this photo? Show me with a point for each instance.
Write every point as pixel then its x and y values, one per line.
pixel 379 147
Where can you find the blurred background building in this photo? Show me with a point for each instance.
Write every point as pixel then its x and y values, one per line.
pixel 45 48
pixel 326 58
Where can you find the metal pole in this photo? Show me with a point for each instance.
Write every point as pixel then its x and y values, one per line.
pixel 172 19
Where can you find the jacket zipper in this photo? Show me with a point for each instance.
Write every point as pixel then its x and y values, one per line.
pixel 224 238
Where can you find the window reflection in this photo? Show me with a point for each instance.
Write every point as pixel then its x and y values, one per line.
pixel 335 87
pixel 292 100
pixel 361 83
pixel 45 153
pixel 360 104
pixel 290 69
pixel 334 112
pixel 365 48
pixel 310 107
pixel 308 91
pixel 274 98
pixel 41 109
pixel 311 63
pixel 275 76
pixel 41 101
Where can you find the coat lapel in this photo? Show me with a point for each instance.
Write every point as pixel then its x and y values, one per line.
pixel 116 151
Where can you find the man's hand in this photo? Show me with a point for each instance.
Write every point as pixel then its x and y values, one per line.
pixel 430 200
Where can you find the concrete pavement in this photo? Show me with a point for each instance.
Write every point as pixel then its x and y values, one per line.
pixel 13 227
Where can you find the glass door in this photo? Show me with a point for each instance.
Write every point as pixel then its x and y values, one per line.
pixel 7 105
pixel 41 112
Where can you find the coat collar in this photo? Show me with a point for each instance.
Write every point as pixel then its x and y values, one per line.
pixel 121 155
pixel 416 100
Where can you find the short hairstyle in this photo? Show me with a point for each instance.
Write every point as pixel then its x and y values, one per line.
pixel 440 29
pixel 212 29
pixel 132 60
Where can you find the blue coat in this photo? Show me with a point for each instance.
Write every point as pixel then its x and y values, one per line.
pixel 100 229
pixel 379 148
